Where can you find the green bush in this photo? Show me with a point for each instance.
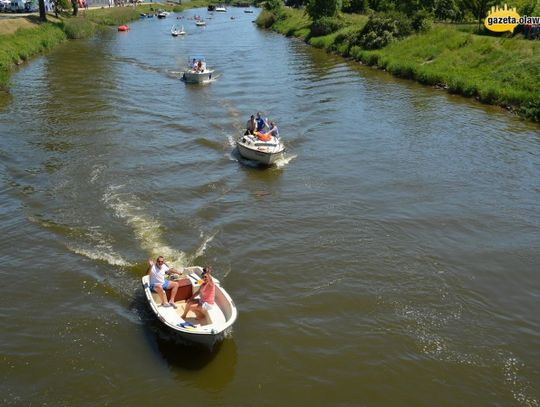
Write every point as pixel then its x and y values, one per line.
pixel 421 21
pixel 325 26
pixel 266 19
pixel 384 28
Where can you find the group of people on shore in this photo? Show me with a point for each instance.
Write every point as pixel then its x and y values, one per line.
pixel 261 126
pixel 200 301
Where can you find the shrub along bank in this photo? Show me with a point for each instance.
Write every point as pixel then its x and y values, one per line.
pixel 495 70
pixel 25 43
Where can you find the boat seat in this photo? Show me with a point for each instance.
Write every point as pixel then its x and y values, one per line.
pixel 215 315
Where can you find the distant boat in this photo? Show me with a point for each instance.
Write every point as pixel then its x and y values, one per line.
pixel 248 11
pixel 194 74
pixel 175 31
pixel 162 14
pixel 211 7
pixel 221 9
pixel 123 28
pixel 200 23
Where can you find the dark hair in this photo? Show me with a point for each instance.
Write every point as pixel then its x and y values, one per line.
pixel 206 270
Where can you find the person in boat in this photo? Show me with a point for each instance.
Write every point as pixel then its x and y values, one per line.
pixel 261 123
pixel 251 125
pixel 200 67
pixel 194 65
pixel 274 131
pixel 206 296
pixel 159 284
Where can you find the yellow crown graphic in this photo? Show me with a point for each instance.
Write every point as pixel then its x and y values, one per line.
pixel 502 19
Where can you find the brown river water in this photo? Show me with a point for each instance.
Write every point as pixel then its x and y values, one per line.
pixel 391 258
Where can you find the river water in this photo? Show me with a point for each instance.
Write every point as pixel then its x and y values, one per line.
pixel 391 258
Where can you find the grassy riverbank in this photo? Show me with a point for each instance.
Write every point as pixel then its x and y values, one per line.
pixel 495 70
pixel 34 38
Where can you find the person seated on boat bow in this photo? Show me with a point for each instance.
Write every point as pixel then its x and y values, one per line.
pixel 251 126
pixel 200 67
pixel 194 65
pixel 206 296
pixel 159 284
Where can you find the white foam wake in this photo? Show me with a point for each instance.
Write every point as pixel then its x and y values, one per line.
pixel 147 230
pixel 202 247
pixel 284 160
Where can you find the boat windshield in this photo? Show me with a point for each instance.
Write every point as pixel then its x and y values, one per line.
pixel 196 58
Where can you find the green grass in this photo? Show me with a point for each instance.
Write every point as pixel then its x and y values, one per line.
pixel 502 71
pixel 292 23
pixel 20 46
pixel 495 70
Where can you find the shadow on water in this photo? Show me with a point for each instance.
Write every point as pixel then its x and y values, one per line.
pixel 209 369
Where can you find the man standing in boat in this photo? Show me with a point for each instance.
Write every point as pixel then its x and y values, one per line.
pixel 159 284
pixel 261 123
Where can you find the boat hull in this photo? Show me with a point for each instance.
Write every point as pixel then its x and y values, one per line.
pixel 197 77
pixel 261 154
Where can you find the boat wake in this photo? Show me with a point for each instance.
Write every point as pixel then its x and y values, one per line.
pixel 91 243
pixel 147 230
pixel 202 247
pixel 285 160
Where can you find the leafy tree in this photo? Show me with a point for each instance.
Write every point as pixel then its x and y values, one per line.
pixel 273 4
pixel 317 9
pixel 295 3
pixel 479 8
pixel 355 6
pixel 446 10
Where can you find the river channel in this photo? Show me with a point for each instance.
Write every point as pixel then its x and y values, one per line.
pixel 391 258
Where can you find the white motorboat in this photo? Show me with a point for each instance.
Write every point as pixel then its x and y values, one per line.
pixel 197 71
pixel 200 23
pixel 221 9
pixel 260 147
pixel 217 321
pixel 175 31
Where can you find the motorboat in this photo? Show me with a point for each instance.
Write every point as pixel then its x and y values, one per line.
pixel 163 14
pixel 248 11
pixel 200 23
pixel 211 7
pixel 197 71
pixel 260 147
pixel 175 31
pixel 221 9
pixel 217 321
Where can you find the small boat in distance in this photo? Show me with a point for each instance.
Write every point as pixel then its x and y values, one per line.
pixel 217 321
pixel 175 31
pixel 211 7
pixel 221 9
pixel 200 23
pixel 248 11
pixel 262 148
pixel 123 28
pixel 197 71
